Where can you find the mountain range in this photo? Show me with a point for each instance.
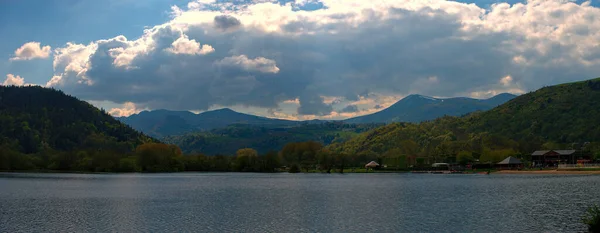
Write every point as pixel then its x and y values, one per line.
pixel 161 123
pixel 564 116
pixel 413 108
pixel 229 139
pixel 44 128
pixel 418 108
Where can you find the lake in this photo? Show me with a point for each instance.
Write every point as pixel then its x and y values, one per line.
pixel 241 202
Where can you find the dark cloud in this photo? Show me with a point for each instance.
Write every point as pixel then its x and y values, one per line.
pixel 298 26
pixel 350 109
pixel 226 22
pixel 351 97
pixel 378 106
pixel 313 105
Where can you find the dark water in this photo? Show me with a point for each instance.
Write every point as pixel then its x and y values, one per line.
pixel 222 202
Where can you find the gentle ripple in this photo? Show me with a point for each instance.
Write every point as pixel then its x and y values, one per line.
pixel 236 202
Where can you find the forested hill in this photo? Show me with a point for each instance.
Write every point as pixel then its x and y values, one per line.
pixel 162 123
pixel 36 119
pixel 229 139
pixel 564 113
pixel 555 117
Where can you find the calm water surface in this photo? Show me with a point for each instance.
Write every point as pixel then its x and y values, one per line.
pixel 233 202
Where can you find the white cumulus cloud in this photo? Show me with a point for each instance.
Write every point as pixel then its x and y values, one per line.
pixel 13 80
pixel 31 50
pixel 183 45
pixel 263 53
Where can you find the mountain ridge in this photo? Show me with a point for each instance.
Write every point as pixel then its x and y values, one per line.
pixel 417 108
pixel 160 123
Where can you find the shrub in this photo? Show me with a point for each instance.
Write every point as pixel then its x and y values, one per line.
pixel 294 168
pixel 592 219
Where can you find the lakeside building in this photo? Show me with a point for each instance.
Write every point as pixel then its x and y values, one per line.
pixel 555 157
pixel 509 163
pixel 372 165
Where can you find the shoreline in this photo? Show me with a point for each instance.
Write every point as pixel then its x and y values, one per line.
pixel 549 172
pixel 522 172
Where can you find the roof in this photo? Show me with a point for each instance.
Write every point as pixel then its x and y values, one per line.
pixel 565 152
pixel 510 160
pixel 540 152
pixel 372 164
pixel 560 152
pixel 439 164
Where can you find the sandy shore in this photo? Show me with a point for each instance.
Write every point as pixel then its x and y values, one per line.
pixel 557 172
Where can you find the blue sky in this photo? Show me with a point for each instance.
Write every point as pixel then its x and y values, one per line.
pixel 55 22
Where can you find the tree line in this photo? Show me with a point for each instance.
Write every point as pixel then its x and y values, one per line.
pixel 158 157
pixel 44 129
pixel 309 156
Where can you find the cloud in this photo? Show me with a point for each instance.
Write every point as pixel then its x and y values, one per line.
pixel 332 99
pixel 350 109
pixel 127 109
pixel 363 53
pixel 506 81
pixel 293 101
pixel 15 80
pixel 226 22
pixel 259 64
pixel 31 50
pixel 314 105
pixel 12 80
pixel 505 85
pixel 183 45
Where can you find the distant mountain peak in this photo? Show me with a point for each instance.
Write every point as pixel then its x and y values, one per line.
pixel 417 108
pixel 224 110
pixel 413 96
pixel 160 123
pixel 502 95
pixel 162 110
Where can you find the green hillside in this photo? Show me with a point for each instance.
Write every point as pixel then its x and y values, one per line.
pixel 162 123
pixel 43 128
pixel 229 139
pixel 564 113
pixel 556 117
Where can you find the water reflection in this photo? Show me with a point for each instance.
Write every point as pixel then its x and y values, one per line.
pixel 294 202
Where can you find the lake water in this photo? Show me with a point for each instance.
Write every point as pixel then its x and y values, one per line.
pixel 239 202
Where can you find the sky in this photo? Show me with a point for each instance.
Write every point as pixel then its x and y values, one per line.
pixel 294 59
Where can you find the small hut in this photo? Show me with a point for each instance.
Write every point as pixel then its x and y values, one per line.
pixel 509 163
pixel 372 165
pixel 440 166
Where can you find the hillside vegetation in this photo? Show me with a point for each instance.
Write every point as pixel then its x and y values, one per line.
pixel 556 117
pixel 263 139
pixel 163 123
pixel 564 113
pixel 43 128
